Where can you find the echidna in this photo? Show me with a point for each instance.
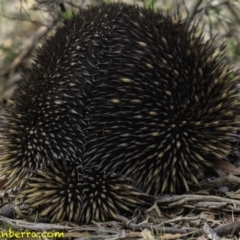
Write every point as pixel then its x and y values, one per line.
pixel 121 91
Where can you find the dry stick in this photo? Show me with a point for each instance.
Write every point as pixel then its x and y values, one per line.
pixel 152 227
pixel 50 227
pixel 193 11
pixel 210 233
pixel 12 74
pixel 179 219
pixel 28 47
pixel 226 229
pixel 229 180
pixel 33 226
pixel 177 200
pixel 206 202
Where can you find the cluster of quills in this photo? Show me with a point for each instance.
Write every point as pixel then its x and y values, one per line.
pixel 120 104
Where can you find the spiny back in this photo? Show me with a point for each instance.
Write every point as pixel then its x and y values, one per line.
pixel 130 91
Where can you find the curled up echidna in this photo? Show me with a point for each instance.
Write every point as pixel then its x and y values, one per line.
pixel 121 102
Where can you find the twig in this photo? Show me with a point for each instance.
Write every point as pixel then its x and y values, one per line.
pixel 210 233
